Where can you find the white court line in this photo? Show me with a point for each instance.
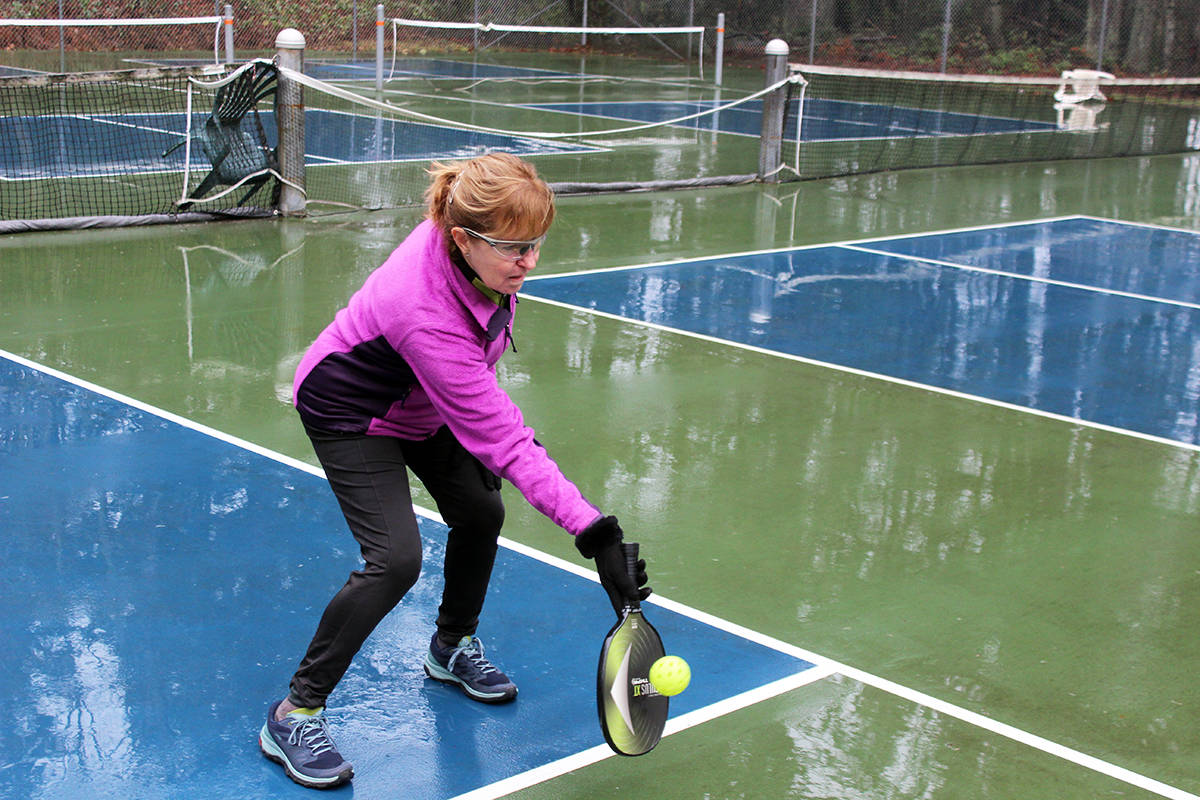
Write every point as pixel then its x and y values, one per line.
pixel 847 243
pixel 877 376
pixel 796 248
pixel 1151 225
pixel 824 668
pixel 860 245
pixel 592 755
pixel 1022 277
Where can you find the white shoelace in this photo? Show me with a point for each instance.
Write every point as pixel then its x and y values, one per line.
pixel 313 734
pixel 474 653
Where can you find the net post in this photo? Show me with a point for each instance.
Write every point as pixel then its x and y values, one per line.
pixel 228 34
pixel 379 23
pixel 770 153
pixel 289 115
pixel 720 54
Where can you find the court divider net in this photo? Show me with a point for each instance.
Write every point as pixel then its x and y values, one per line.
pixel 114 148
pixel 93 44
pixel 119 147
pixel 860 121
pixel 679 45
pixel 369 149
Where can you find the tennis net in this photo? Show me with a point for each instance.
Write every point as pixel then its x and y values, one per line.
pixel 679 50
pixel 149 144
pixel 31 46
pixel 372 149
pixel 135 146
pixel 858 121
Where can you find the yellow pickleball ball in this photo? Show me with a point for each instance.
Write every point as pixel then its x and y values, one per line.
pixel 670 675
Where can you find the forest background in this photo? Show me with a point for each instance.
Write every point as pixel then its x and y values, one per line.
pixel 1011 37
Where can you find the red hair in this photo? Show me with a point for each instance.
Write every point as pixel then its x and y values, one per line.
pixel 497 194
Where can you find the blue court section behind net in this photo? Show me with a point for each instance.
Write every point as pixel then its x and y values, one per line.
pixel 161 585
pixel 16 72
pixel 88 145
pixel 983 312
pixel 424 68
pixel 822 119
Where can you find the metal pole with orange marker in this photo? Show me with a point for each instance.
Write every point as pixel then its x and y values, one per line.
pixel 720 45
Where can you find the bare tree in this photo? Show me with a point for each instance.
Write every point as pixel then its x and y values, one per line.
pixel 1139 48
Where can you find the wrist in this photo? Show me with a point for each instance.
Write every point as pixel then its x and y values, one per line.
pixel 600 534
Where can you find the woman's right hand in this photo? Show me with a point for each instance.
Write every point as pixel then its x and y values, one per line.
pixel 601 541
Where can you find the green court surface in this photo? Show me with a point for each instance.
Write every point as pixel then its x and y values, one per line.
pixel 1013 600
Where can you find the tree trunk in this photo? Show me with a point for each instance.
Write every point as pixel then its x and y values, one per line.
pixel 1181 37
pixel 1114 42
pixel 995 24
pixel 1168 33
pixel 1139 53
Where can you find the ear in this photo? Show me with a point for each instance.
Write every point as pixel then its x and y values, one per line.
pixel 460 238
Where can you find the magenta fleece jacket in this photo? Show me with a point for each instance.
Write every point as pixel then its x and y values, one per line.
pixel 410 353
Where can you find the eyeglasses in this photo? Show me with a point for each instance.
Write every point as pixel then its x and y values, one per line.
pixel 509 248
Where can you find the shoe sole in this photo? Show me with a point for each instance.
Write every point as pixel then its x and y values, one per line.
pixel 440 673
pixel 272 751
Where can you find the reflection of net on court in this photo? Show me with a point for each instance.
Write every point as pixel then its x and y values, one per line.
pixel 879 120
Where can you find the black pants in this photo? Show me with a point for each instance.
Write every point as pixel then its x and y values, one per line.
pixel 367 474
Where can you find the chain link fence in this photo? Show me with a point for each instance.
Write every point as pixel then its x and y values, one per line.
pixel 1010 37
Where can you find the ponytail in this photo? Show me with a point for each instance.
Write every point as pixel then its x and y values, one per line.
pixel 497 193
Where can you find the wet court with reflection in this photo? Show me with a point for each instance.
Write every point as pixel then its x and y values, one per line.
pixel 913 457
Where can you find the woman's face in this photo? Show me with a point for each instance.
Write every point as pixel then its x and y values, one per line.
pixel 501 264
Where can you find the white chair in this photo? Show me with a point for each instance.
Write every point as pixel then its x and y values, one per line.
pixel 1081 86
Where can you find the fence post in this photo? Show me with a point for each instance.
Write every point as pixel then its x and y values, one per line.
pixel 228 34
pixel 379 24
pixel 812 34
pixel 946 34
pixel 289 114
pixel 720 54
pixel 770 153
pixel 1103 34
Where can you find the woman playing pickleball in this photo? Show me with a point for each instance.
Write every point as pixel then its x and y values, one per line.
pixel 405 377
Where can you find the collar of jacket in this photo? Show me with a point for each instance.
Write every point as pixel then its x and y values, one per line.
pixel 491 294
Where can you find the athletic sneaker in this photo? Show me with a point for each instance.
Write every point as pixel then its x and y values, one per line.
pixel 301 743
pixel 465 665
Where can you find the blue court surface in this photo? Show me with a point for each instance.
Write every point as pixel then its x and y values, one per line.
pixel 161 583
pixel 1081 318
pixel 363 69
pixel 98 144
pixel 16 72
pixel 424 68
pixel 822 119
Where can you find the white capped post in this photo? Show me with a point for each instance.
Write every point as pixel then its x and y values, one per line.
pixel 770 152
pixel 289 114
pixel 720 54
pixel 228 26
pixel 379 25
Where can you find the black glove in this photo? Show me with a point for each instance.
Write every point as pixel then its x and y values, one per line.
pixel 601 541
